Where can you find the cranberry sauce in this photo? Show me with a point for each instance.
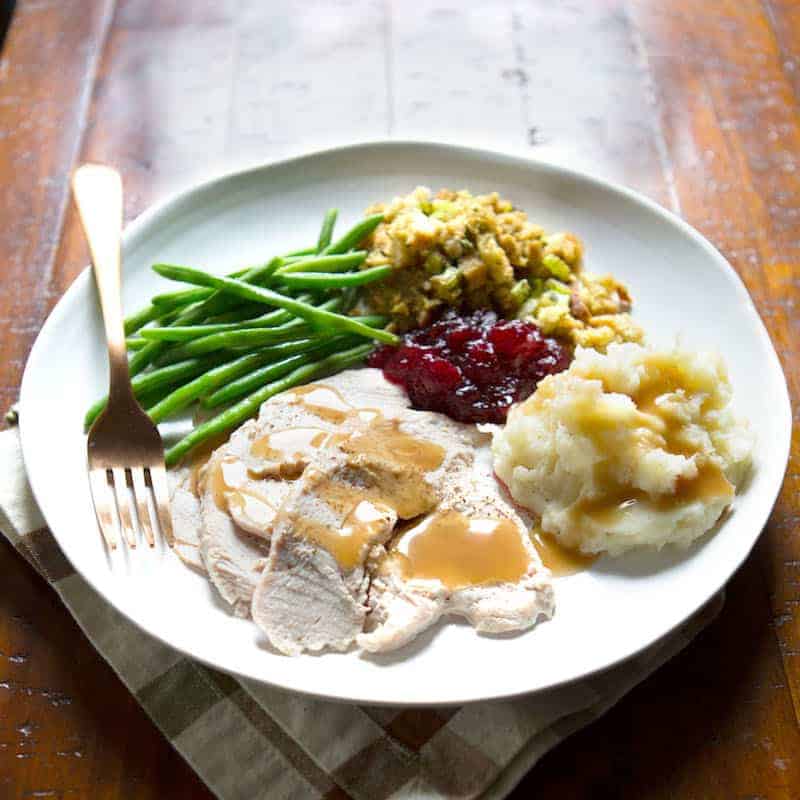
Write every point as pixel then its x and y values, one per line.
pixel 471 367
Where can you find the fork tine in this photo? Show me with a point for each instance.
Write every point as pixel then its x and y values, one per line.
pixel 158 480
pixel 102 497
pixel 143 512
pixel 124 506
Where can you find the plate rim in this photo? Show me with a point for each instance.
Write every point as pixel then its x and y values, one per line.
pixel 138 226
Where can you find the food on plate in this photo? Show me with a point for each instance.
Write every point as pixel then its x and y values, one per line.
pixel 346 506
pixel 636 447
pixel 227 497
pixel 220 338
pixel 458 250
pixel 472 367
pixel 472 558
pixel 294 520
pixel 217 345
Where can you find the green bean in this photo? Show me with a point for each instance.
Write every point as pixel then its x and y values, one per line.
pixel 179 299
pixel 307 251
pixel 174 354
pixel 268 320
pixel 141 359
pixel 248 338
pixel 316 316
pixel 340 263
pixel 171 316
pixel 258 377
pixel 355 235
pixel 249 405
pixel 245 311
pixel 152 312
pixel 214 304
pixel 373 320
pixel 147 355
pixel 185 296
pixel 347 242
pixel 191 295
pixel 328 280
pixel 326 231
pixel 349 298
pixel 178 353
pixel 136 343
pixel 284 349
pixel 185 333
pixel 181 397
pixel 141 318
pixel 157 378
pixel 138 320
pixel 156 395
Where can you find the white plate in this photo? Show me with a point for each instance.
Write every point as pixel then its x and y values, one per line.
pixel 681 284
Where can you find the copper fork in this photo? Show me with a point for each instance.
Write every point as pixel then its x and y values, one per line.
pixel 124 446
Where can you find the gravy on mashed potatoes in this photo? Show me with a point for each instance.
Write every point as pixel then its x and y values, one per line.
pixel 637 447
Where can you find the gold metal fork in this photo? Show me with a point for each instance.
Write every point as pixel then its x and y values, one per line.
pixel 124 446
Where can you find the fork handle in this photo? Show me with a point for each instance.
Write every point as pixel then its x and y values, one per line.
pixel 98 195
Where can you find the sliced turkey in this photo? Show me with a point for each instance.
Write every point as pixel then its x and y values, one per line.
pixel 186 517
pixel 223 510
pixel 317 519
pixel 312 592
pixel 491 575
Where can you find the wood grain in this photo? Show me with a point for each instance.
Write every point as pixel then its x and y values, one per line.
pixel 695 104
pixel 743 194
pixel 41 122
pixel 728 118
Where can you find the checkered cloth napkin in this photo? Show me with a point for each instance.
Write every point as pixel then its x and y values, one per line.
pixel 248 741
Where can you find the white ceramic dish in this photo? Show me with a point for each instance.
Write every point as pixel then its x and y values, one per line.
pixel 681 284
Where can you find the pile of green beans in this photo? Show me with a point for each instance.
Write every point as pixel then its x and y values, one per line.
pixel 232 342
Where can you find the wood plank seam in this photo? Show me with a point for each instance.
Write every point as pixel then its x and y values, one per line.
pixel 772 22
pixel 517 27
pixel 388 54
pixel 762 543
pixel 230 126
pixel 649 83
pixel 743 174
pixel 41 307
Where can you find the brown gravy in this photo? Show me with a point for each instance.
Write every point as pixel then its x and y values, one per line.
pixel 226 480
pixel 456 549
pixel 253 506
pixel 463 551
pixel 660 429
pixel 384 440
pixel 198 460
pixel 709 485
pixel 394 468
pixel 368 512
pixel 287 443
pixel 226 475
pixel 286 452
pixel 197 473
pixel 560 560
pixel 323 401
pixel 365 523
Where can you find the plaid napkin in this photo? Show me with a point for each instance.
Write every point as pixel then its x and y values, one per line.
pixel 249 741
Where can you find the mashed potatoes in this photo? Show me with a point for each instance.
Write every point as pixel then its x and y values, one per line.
pixel 638 447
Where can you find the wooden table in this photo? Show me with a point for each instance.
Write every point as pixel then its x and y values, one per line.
pixel 693 102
